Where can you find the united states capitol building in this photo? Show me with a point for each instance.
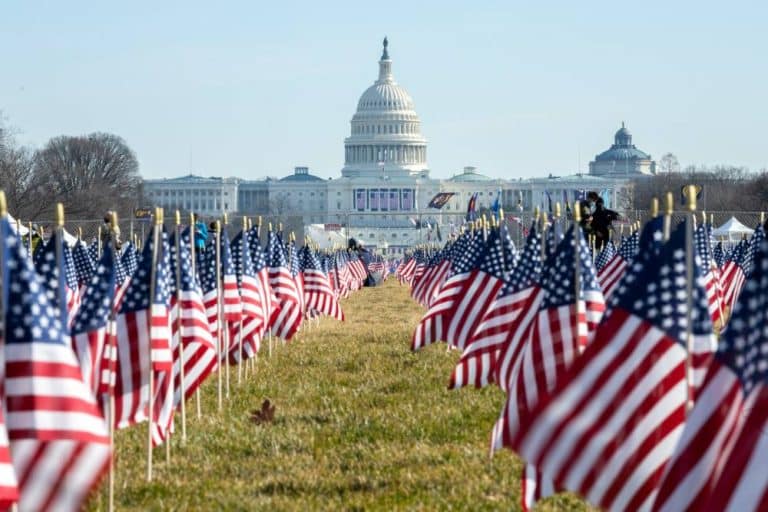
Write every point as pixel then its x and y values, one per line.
pixel 386 185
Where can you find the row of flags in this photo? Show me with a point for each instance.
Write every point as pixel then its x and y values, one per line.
pixel 634 377
pixel 96 340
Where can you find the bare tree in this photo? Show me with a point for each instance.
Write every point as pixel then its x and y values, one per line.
pixel 17 178
pixel 669 164
pixel 89 174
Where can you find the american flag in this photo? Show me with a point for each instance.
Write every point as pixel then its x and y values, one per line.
pixel 129 258
pixel 318 294
pixel 58 437
pixel 500 321
pixel 93 250
pixel 143 335
pixel 457 311
pixel 92 338
pixel 233 308
pixel 711 274
pixel 289 318
pixel 511 255
pixel 259 259
pixel 422 284
pixel 611 273
pixel 611 423
pixel 254 320
pixel 57 278
pixel 199 350
pixel 555 337
pixel 210 287
pixel 739 267
pixel 719 255
pixel 606 255
pixel 296 273
pixel 85 267
pixel 719 463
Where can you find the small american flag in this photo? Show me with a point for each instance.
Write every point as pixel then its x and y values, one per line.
pixel 565 321
pixel 254 321
pixel 143 335
pixel 719 254
pixel 318 294
pixel 289 318
pixel 740 267
pixel 611 423
pixel 195 336
pixel 58 277
pixel 233 308
pixel 606 255
pixel 458 309
pixel 58 437
pixel 711 274
pixel 500 321
pixel 610 274
pixel 719 463
pixel 85 267
pixel 129 258
pixel 94 345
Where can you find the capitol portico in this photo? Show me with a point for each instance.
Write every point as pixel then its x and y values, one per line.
pixel 385 183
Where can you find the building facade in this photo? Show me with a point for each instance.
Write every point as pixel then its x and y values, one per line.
pixel 385 185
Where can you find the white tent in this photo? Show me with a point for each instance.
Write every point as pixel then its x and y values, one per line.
pixel 70 239
pixel 732 230
pixel 21 228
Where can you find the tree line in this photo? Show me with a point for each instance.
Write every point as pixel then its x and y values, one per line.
pixel 723 188
pixel 89 174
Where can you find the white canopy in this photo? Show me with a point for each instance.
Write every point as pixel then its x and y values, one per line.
pixel 70 239
pixel 732 230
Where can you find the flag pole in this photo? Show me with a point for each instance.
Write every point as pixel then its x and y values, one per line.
pixel 179 326
pixel 269 334
pixel 669 208
pixel 713 266
pixel 29 239
pixel 112 347
pixel 98 240
pixel 193 257
pixel 577 259
pixel 226 326
pixel 219 316
pixel 4 215
pixel 689 262
pixel 152 285
pixel 243 248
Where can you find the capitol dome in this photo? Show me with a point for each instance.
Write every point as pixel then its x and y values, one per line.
pixel 385 136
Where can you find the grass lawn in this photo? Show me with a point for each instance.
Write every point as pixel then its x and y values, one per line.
pixel 361 423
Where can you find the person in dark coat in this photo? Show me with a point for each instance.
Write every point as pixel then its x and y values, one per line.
pixel 602 218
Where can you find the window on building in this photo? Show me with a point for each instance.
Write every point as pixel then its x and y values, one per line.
pixel 338 205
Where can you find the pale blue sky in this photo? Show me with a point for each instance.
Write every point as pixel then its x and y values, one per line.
pixel 515 88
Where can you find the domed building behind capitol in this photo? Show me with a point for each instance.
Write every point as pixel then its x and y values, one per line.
pixel 385 187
